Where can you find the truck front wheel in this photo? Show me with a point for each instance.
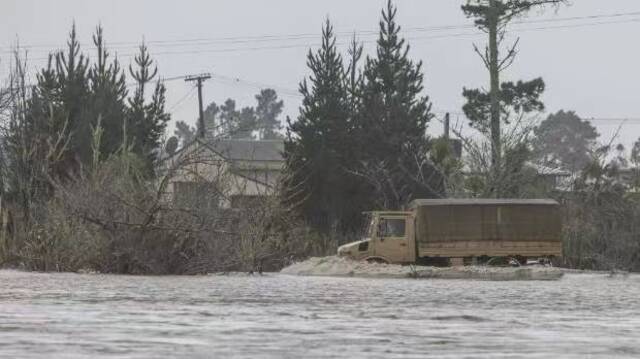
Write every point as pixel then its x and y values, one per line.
pixel 378 260
pixel 503 262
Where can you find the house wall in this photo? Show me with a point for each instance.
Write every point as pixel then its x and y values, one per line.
pixel 237 180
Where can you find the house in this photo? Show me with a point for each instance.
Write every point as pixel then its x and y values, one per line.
pixel 224 173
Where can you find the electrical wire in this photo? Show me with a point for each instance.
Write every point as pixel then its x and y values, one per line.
pixel 182 100
pixel 252 39
pixel 237 81
pixel 310 45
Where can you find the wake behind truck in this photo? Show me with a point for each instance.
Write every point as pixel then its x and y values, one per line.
pixel 462 231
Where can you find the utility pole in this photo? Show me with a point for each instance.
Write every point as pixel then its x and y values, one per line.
pixel 446 126
pixel 199 79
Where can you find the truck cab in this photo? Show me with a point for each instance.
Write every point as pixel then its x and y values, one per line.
pixel 389 238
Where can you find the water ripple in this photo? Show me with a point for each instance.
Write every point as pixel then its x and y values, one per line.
pixel 276 316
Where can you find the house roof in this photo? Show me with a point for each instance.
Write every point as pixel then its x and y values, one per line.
pixel 249 150
pixel 237 149
pixel 479 201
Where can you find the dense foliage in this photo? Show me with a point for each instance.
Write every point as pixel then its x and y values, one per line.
pixel 565 141
pixel 320 145
pixel 394 115
pixel 360 140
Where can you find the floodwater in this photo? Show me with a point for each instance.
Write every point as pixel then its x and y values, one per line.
pixel 283 316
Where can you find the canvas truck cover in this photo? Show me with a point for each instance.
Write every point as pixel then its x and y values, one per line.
pixel 491 227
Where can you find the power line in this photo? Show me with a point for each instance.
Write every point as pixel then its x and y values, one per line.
pixel 263 38
pixel 534 29
pixel 308 45
pixel 237 81
pixel 174 78
pixel 184 98
pixel 614 121
pixel 161 79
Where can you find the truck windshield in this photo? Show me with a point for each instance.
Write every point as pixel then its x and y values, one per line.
pixel 369 229
pixel 391 227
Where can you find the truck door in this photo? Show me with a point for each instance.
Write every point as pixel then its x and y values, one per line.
pixel 391 240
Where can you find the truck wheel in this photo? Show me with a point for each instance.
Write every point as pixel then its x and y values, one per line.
pixel 377 260
pixel 521 260
pixel 500 262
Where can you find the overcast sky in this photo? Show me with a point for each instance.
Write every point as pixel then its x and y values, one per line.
pixel 591 63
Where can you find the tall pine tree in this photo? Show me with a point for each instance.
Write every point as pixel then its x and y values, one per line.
pixel 67 103
pixel 108 92
pixel 59 107
pixel 318 145
pixel 392 122
pixel 147 121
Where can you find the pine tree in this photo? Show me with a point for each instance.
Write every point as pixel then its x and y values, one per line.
pixel 392 123
pixel 318 145
pixel 108 92
pixel 228 118
pixel 74 117
pixel 143 74
pixel 157 119
pixel 247 124
pixel 73 86
pixel 185 133
pixel 354 78
pixel 211 124
pixel 267 112
pixel 60 106
pixel 230 122
pixel 147 121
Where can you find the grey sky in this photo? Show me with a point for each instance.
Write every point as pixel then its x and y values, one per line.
pixel 593 69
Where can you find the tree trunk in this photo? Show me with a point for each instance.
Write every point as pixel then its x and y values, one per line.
pixel 494 71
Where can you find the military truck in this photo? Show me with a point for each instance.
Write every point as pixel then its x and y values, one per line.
pixel 462 231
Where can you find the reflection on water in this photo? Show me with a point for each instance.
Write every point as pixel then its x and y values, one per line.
pixel 72 315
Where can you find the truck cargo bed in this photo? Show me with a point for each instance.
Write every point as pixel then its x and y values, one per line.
pixel 487 227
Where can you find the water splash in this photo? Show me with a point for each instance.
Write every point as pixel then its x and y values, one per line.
pixel 342 267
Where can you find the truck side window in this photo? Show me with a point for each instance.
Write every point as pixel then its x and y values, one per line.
pixel 363 246
pixel 391 227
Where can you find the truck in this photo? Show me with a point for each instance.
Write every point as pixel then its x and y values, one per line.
pixel 447 232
